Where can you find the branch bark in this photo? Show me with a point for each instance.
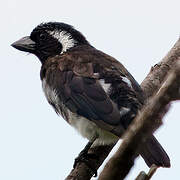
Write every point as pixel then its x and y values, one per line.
pixel 148 120
pixel 143 176
pixel 150 85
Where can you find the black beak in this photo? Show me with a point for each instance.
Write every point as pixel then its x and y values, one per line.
pixel 25 44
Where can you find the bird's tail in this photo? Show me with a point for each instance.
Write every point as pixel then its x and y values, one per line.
pixel 153 153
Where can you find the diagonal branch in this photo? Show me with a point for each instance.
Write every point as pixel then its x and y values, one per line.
pixel 150 85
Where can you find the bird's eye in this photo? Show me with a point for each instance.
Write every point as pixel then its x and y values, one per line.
pixel 42 36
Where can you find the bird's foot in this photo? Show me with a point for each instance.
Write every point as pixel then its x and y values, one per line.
pixel 85 158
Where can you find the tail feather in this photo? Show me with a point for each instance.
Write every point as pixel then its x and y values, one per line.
pixel 153 153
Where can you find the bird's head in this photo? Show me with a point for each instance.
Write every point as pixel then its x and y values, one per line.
pixel 50 39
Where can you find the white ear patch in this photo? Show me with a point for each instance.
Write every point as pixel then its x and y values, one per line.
pixel 64 38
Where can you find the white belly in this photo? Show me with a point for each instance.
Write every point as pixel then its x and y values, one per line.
pixel 85 127
pixel 89 130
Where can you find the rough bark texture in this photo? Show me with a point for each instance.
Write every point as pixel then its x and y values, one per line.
pixel 150 85
pixel 158 73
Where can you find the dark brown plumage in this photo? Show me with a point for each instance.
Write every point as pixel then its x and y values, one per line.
pixel 90 89
pixel 74 77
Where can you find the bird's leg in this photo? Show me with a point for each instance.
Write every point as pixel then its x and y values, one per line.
pixel 85 157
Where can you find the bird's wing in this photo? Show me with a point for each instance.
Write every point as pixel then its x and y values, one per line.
pixel 82 85
pixel 86 96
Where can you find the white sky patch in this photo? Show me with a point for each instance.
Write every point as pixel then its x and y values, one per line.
pixel 64 38
pixel 126 80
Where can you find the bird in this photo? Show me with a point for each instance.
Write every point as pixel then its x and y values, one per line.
pixel 90 89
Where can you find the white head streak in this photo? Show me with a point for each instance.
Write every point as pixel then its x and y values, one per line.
pixel 64 38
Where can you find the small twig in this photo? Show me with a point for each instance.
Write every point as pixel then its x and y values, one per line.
pixel 143 176
pixel 151 172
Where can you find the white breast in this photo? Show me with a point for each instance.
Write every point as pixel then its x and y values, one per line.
pixel 52 97
pixel 50 93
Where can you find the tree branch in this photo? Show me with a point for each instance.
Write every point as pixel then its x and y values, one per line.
pixel 150 85
pixel 157 74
